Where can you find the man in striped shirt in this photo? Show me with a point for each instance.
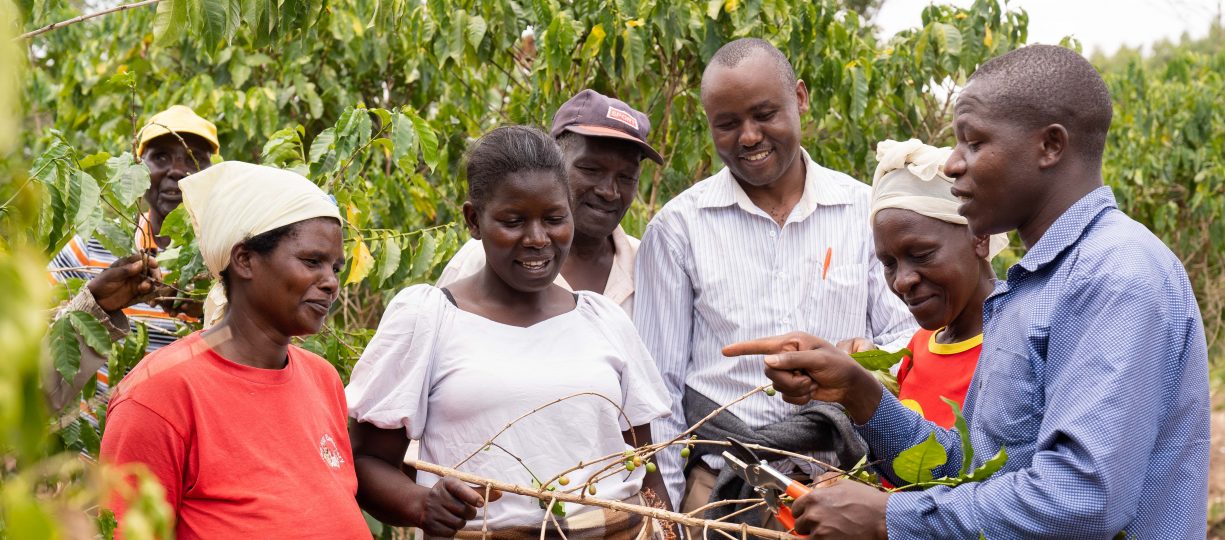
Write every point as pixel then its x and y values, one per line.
pixel 772 242
pixel 119 291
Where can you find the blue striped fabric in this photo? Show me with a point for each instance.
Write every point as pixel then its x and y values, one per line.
pixel 714 269
pixel 1094 376
pixel 70 263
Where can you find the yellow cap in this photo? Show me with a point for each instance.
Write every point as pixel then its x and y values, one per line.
pixel 179 119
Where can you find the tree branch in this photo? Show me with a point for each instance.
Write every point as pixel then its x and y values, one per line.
pixel 553 496
pixel 85 17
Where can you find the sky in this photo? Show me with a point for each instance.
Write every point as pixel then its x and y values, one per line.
pixel 1102 25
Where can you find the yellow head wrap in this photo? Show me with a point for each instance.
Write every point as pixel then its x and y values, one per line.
pixel 910 176
pixel 233 201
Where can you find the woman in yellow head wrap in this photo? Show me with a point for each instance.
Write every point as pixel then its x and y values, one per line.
pixel 245 431
pixel 937 267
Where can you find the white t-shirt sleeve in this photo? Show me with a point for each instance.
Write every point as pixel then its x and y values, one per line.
pixel 643 396
pixel 389 385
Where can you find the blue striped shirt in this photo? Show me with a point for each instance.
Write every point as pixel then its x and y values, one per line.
pixel 1094 376
pixel 714 269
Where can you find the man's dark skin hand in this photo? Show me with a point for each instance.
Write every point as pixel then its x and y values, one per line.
pixel 845 509
pixel 804 368
pixel 127 281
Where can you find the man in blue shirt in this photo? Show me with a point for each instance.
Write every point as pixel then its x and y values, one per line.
pixel 1093 374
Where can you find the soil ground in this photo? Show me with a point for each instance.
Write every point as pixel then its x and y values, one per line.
pixel 1216 472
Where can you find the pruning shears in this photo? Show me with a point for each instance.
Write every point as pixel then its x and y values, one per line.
pixel 766 481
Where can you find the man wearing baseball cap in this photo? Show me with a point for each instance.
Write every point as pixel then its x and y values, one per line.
pixel 603 143
pixel 173 144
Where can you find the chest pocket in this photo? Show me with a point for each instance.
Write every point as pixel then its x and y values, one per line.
pixel 844 289
pixel 1010 400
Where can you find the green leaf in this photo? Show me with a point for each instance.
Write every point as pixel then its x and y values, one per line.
pixel 428 139
pixel 859 92
pixel 423 262
pixel 95 335
pixel 949 38
pixel 65 353
pixel 877 359
pixel 476 30
pixel 635 51
pixel 171 21
pixel 214 15
pixel 389 261
pixel 989 468
pixel 93 160
pixel 914 465
pixel 127 179
pixel 89 209
pixel 404 142
pixel 322 157
pixel 71 434
pixel 959 422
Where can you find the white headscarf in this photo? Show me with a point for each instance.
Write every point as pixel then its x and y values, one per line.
pixel 233 201
pixel 910 176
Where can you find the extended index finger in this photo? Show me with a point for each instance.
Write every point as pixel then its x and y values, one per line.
pixel 790 342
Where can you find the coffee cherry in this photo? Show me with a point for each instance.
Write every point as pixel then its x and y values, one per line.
pixel 563 480
pixel 685 453
pixel 651 468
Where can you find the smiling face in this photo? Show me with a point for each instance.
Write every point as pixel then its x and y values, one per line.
pixel 168 162
pixel 995 165
pixel 293 285
pixel 754 120
pixel 603 178
pixel 935 267
pixel 525 228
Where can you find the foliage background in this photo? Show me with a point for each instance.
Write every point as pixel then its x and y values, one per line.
pixel 377 99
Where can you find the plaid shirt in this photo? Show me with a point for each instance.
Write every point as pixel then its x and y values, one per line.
pixel 1094 377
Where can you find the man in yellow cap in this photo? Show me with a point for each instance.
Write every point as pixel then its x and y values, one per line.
pixel 173 144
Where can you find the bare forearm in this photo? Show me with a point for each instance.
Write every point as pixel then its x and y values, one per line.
pixel 389 495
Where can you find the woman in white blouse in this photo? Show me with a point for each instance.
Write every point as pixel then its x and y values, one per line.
pixel 450 367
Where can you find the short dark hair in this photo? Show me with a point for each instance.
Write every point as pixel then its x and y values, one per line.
pixel 732 53
pixel 507 150
pixel 567 139
pixel 1039 85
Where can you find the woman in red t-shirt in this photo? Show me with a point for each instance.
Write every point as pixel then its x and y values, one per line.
pixel 935 265
pixel 246 432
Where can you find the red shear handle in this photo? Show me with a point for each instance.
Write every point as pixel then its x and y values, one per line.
pixel 795 490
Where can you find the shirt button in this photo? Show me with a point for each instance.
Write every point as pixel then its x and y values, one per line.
pixel 786 320
pixel 780 275
pixel 773 234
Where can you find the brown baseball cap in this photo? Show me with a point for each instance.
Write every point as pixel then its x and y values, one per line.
pixel 594 114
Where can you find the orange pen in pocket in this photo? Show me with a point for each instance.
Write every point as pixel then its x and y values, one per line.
pixel 829 253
